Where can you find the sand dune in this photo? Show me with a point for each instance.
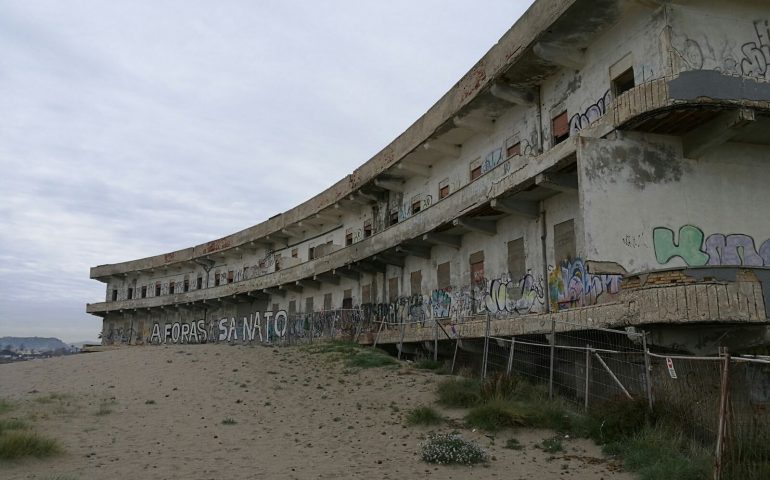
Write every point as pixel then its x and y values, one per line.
pixel 158 412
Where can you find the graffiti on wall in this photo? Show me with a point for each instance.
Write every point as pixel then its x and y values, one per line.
pixel 756 54
pixel 520 297
pixel 580 121
pixel 696 249
pixel 232 329
pixel 572 285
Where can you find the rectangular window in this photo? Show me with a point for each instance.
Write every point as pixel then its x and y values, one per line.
pixel 623 82
pixel 309 305
pixel 310 253
pixel 366 293
pixel 516 259
pixel 294 252
pixel 512 150
pixel 217 280
pixel 443 275
pixel 367 228
pixel 277 261
pixel 114 294
pixel 560 128
pixel 477 267
pixel 292 307
pixel 186 285
pixel 475 173
pixel 443 192
pixel 327 301
pixel 144 291
pixel 415 283
pixel 347 298
pixel 199 282
pixel 230 276
pixel 349 238
pixel 393 219
pixel 564 241
pixel 130 293
pixel 393 289
pixel 157 289
pixel 171 288
pixel 416 206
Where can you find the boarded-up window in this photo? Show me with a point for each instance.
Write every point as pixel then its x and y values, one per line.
pixel 349 238
pixel 292 306
pixel 443 192
pixel 366 293
pixel 564 241
pixel 327 301
pixel 415 282
pixel 560 127
pixel 393 289
pixel 367 228
pixel 477 267
pixel 512 150
pixel 347 298
pixel 516 259
pixel 393 218
pixel 443 275
pixel 475 173
pixel 308 304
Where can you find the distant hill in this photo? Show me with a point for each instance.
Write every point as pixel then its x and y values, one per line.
pixel 33 344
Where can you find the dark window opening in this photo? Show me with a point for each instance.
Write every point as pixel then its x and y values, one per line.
pixel 130 293
pixel 230 276
pixel 347 298
pixel 157 289
pixel 144 291
pixel 560 128
pixel 475 173
pixel 327 301
pixel 186 285
pixel 310 253
pixel 114 295
pixel 416 207
pixel 199 283
pixel 392 289
pixel 514 149
pixel 623 82
pixel 171 288
pixel 443 272
pixel 278 261
pixel 349 238
pixel 309 305
pixel 294 252
pixel 393 218
pixel 367 229
pixel 216 279
pixel 443 192
pixel 415 283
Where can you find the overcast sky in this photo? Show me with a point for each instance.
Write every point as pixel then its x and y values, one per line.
pixel 133 128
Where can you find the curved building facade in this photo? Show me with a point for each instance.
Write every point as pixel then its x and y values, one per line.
pixel 604 163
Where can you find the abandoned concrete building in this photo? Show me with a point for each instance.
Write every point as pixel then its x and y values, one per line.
pixel 601 164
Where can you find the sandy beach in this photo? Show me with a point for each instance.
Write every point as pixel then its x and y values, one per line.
pixel 158 413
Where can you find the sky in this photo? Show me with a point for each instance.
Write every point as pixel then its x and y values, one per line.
pixel 134 128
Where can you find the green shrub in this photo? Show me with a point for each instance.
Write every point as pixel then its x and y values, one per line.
pixel 18 444
pixel 229 421
pixel 11 424
pixel 5 406
pixel 459 392
pixel 552 445
pixel 370 358
pixel 494 416
pixel 452 449
pixel 423 415
pixel 428 364
pixel 659 453
pixel 616 419
pixel 513 444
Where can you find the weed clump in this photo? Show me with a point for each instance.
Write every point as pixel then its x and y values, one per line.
pixel 429 364
pixel 424 416
pixel 451 448
pixel 459 392
pixel 494 416
pixel 229 421
pixel 16 444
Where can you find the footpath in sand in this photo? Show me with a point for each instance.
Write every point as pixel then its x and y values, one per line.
pixel 158 413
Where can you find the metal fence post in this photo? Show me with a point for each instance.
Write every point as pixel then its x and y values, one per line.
pixel 486 349
pixel 509 367
pixel 401 339
pixel 312 329
pixel 454 357
pixel 588 376
pixel 724 391
pixel 647 370
pixel 435 338
pixel 553 356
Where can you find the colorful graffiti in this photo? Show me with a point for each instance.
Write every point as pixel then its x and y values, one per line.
pixel 580 121
pixel 519 297
pixel 441 303
pixel 572 285
pixel 718 249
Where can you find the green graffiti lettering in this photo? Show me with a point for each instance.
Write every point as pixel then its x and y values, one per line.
pixel 688 248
